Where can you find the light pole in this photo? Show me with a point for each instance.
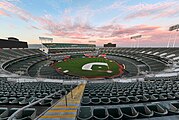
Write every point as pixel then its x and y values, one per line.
pixel 136 38
pixel 45 39
pixel 175 38
pixel 168 45
pixel 173 28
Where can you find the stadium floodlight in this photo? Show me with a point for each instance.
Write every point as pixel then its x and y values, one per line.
pixel 173 28
pixel 45 39
pixel 136 37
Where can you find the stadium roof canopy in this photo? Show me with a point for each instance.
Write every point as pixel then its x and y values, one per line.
pixel 67 45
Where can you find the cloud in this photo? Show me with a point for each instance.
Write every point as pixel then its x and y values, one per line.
pixel 119 4
pixel 9 7
pixel 34 27
pixel 78 28
pixel 157 10
pixel 3 13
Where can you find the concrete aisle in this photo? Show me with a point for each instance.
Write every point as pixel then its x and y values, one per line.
pixel 62 112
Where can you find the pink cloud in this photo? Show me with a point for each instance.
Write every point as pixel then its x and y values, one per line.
pixel 4 13
pixel 79 30
pixel 9 7
pixel 157 10
pixel 154 37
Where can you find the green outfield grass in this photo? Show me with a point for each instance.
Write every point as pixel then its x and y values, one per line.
pixel 74 66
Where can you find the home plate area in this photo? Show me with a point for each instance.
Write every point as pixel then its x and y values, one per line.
pixel 97 66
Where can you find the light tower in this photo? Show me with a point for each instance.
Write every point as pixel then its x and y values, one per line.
pixel 137 39
pixel 174 28
pixel 45 40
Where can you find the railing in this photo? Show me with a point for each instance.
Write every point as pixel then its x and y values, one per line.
pixel 34 103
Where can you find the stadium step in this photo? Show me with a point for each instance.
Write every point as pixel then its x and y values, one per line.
pixel 63 112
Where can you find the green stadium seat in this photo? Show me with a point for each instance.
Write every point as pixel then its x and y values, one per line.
pixel 177 95
pixel 133 99
pixel 27 114
pixel 3 111
pixel 13 100
pixel 95 101
pixel 157 109
pixel 6 115
pixel 144 111
pixel 85 101
pixel 31 99
pixel 174 108
pixel 115 100
pixel 154 97
pixel 142 98
pixel 162 96
pixel 105 100
pixel 3 100
pixel 84 113
pixel 115 114
pixel 171 96
pixel 100 114
pixel 23 101
pixel 46 102
pixel 124 99
pixel 129 112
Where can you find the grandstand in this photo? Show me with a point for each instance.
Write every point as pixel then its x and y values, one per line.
pixel 68 48
pixel 31 87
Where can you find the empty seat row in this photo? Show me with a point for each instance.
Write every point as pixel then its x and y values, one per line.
pixel 32 94
pixel 118 94
pixel 134 92
pixel 127 112
pixel 27 114
pixel 24 101
pixel 127 99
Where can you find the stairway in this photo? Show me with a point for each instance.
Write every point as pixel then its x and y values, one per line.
pixel 62 112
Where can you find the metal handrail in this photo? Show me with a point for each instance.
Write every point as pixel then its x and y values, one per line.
pixel 27 106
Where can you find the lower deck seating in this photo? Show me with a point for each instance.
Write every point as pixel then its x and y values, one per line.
pixel 132 100
pixel 128 93
pixel 27 114
pixel 149 110
pixel 15 94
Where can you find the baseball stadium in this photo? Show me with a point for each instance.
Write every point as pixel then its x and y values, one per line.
pixel 89 60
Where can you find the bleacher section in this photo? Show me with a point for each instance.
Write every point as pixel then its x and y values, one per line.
pixel 30 62
pixel 152 60
pixel 68 48
pixel 16 60
pixel 22 65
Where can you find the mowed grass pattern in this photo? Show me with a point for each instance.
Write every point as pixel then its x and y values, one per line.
pixel 75 67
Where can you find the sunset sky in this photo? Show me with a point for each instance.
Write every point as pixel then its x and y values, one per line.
pixel 81 21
